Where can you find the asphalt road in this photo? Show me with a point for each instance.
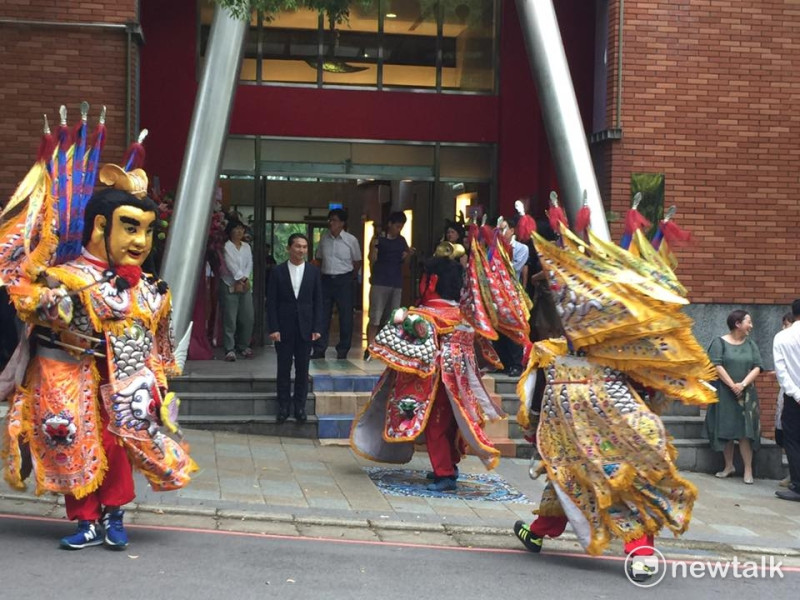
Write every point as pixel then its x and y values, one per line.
pixel 177 564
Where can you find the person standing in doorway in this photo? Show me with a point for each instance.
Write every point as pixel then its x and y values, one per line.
pixel 340 254
pixel 387 252
pixel 786 353
pixel 294 322
pixel 236 295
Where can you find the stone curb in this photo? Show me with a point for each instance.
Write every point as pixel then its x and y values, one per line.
pixel 390 525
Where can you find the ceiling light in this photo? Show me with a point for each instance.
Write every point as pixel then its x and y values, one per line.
pixel 391 16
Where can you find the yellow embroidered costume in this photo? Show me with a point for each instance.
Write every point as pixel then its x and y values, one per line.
pixel 607 456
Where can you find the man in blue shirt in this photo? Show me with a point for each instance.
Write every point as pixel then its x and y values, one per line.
pixel 387 252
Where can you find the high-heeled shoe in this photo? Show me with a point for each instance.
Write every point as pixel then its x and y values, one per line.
pixel 724 474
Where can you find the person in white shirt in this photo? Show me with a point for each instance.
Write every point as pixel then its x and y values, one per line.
pixel 294 321
pixel 236 296
pixel 786 322
pixel 509 352
pixel 341 258
pixel 786 354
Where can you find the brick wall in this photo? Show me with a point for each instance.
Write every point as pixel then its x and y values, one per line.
pixel 767 387
pixel 710 100
pixel 72 11
pixel 42 67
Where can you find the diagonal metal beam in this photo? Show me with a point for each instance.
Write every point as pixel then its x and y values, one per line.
pixel 188 233
pixel 562 118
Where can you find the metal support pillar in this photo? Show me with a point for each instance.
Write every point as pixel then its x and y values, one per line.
pixel 562 119
pixel 188 233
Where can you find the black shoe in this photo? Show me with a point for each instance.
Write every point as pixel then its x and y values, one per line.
pixel 341 355
pixel 317 355
pixel 367 357
pixel 514 371
pixel 443 484
pixel 300 416
pixel 283 414
pixel 432 476
pixel 788 495
pixel 523 533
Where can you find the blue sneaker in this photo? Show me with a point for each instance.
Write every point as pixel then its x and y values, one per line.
pixel 88 534
pixel 116 537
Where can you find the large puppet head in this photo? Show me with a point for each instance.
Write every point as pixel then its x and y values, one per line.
pixel 119 227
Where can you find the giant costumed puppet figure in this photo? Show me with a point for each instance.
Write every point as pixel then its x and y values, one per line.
pixel 90 398
pixel 432 383
pixel 608 459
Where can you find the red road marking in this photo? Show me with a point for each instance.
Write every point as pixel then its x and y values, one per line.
pixel 275 536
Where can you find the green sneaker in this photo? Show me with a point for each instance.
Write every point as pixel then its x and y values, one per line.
pixel 523 532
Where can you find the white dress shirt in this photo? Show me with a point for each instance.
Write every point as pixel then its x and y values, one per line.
pixel 296 275
pixel 239 262
pixel 786 353
pixel 338 253
pixel 519 256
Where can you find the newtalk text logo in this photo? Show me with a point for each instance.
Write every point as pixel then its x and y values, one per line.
pixel 649 571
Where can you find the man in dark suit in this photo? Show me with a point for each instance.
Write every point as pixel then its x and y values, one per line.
pixel 294 321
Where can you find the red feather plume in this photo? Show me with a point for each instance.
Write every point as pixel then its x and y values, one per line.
pixel 583 219
pixel 137 151
pixel 525 227
pixel 556 215
pixel 674 235
pixel 635 220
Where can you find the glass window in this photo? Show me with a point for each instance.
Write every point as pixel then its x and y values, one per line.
pixel 468 46
pixel 239 155
pixel 466 162
pixel 290 46
pixel 350 47
pixel 409 43
pixel 419 44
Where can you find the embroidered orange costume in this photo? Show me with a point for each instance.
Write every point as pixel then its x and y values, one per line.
pixel 94 397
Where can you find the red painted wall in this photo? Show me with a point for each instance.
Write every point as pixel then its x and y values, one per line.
pixel 512 119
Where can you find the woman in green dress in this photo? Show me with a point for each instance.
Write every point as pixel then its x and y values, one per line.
pixel 735 417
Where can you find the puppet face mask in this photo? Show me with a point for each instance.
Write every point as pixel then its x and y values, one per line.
pixel 130 239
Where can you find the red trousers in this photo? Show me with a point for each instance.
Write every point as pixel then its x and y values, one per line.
pixel 554 527
pixel 440 436
pixel 117 487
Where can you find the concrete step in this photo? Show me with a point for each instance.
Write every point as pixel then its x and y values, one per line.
pixel 196 383
pixel 256 425
pixel 697 455
pixel 683 427
pixel 233 404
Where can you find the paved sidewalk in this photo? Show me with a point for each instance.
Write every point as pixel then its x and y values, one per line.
pixel 295 480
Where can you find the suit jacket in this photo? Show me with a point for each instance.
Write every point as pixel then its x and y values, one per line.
pixel 289 315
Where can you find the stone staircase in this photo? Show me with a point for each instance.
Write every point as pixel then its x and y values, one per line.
pixel 684 423
pixel 241 404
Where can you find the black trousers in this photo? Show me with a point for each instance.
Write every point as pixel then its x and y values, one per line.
pixel 510 352
pixel 790 421
pixel 337 289
pixel 292 348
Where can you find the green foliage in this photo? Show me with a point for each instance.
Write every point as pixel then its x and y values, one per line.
pixel 336 11
pixel 651 185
